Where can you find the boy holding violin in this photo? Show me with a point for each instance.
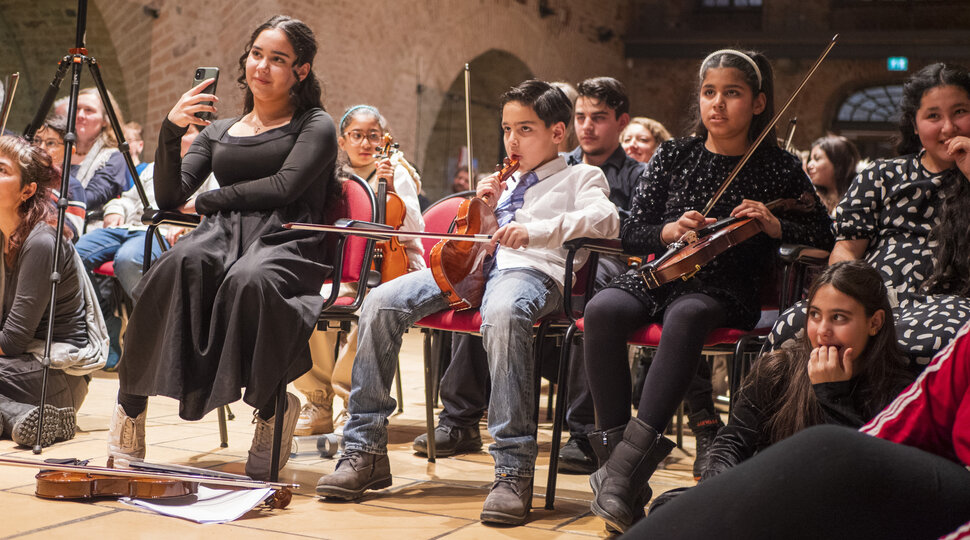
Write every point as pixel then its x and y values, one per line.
pixel 546 204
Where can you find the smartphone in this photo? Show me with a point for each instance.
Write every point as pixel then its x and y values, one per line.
pixel 203 74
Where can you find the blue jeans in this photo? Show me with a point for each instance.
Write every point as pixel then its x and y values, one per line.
pixel 514 300
pixel 126 247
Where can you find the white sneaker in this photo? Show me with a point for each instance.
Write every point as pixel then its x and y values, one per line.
pixel 126 437
pixel 340 421
pixel 261 451
pixel 316 416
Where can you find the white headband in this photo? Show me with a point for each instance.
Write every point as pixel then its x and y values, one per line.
pixel 736 53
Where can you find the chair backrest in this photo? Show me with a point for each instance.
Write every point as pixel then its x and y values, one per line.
pixel 358 203
pixel 439 217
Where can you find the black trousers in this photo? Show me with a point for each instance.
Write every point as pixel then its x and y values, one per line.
pixel 824 482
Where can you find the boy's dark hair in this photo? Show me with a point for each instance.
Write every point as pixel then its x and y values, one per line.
pixel 606 90
pixel 549 102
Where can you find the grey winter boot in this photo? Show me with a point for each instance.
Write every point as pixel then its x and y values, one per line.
pixel 20 422
pixel 621 487
pixel 704 425
pixel 357 471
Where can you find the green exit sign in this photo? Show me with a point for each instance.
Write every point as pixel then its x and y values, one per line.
pixel 897 63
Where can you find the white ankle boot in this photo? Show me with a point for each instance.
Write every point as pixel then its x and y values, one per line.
pixel 261 451
pixel 126 437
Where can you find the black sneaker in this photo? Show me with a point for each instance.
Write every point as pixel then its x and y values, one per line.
pixel 449 441
pixel 704 425
pixel 577 457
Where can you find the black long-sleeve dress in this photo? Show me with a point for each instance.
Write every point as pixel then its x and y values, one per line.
pixel 682 176
pixel 234 302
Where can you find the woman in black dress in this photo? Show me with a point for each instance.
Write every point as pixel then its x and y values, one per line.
pixel 233 304
pixel 735 104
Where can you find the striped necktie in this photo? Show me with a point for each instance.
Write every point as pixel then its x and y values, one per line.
pixel 505 212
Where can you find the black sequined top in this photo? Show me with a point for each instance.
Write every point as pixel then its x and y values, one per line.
pixel 683 175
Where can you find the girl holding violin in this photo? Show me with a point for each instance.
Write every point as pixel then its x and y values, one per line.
pixel 362 131
pixel 735 104
pixel 28 223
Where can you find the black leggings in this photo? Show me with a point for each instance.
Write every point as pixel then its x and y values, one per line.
pixel 611 317
pixel 824 482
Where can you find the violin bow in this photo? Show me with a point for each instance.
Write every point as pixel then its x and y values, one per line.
pixel 134 473
pixel 791 133
pixel 468 120
pixel 11 88
pixel 767 129
pixel 376 231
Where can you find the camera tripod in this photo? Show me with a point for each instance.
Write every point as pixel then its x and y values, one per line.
pixel 75 58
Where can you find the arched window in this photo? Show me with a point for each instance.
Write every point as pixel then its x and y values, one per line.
pixel 877 104
pixel 868 118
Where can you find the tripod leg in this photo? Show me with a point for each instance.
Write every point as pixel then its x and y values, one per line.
pixel 48 100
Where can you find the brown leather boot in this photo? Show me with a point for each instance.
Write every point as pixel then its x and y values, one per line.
pixel 509 501
pixel 356 472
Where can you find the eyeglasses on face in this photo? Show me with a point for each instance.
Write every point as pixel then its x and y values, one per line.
pixel 49 144
pixel 357 136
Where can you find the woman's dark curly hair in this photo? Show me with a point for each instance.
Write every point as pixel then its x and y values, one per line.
pixel 36 166
pixel 926 79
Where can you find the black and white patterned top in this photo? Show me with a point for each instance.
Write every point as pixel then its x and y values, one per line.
pixel 683 175
pixel 894 204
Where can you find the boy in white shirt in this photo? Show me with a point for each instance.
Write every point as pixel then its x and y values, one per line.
pixel 546 205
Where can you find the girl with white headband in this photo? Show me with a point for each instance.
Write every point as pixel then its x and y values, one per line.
pixel 360 133
pixel 734 105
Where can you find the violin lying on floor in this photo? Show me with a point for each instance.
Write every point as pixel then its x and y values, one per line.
pixel 72 479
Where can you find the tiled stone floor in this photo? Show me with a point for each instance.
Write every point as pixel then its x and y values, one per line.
pixel 439 500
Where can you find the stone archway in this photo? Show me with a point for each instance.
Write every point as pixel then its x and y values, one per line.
pixel 492 73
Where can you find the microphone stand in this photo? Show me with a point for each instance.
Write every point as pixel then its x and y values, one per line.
pixel 75 58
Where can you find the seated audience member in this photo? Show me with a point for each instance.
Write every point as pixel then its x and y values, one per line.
pixel 908 217
pixel 136 144
pixel 548 203
pixel 735 105
pixel 570 141
pixel 904 476
pixel 50 136
pixel 601 111
pixel 362 129
pixel 831 167
pixel 642 136
pixel 460 182
pixel 79 346
pixel 97 163
pixel 843 372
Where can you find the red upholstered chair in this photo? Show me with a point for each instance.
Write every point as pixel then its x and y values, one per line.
pixel 470 322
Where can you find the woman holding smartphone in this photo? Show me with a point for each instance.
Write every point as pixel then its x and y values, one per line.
pixel 232 305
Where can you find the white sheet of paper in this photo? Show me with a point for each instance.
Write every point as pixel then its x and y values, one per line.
pixel 209 505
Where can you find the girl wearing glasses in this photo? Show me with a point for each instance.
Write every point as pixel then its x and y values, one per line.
pixel 361 130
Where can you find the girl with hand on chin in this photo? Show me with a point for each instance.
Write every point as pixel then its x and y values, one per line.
pixel 233 304
pixel 735 103
pixel 843 371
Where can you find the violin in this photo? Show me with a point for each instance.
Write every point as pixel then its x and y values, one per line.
pixel 685 257
pixel 390 257
pixel 74 481
pixel 458 265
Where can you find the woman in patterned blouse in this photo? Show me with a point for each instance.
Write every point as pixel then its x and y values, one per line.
pixel 735 104
pixel 909 217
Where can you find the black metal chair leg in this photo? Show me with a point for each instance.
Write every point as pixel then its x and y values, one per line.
pixel 223 429
pixel 274 464
pixel 559 416
pixel 429 392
